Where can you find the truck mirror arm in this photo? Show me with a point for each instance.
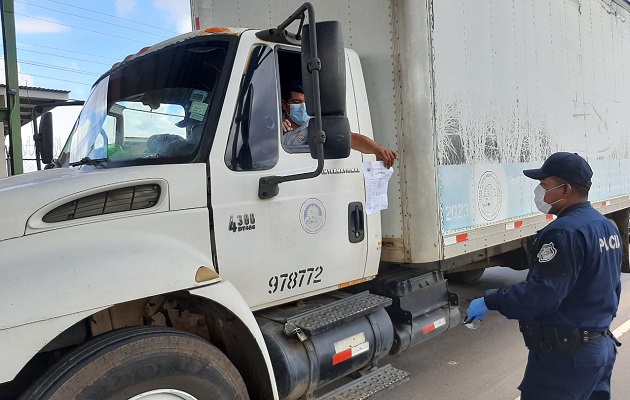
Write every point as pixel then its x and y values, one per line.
pixel 268 185
pixel 280 35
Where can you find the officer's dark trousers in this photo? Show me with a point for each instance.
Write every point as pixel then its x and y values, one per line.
pixel 583 376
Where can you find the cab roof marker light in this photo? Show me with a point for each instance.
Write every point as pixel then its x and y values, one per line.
pixel 217 29
pixel 130 56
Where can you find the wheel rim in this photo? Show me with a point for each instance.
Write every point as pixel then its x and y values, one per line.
pixel 164 394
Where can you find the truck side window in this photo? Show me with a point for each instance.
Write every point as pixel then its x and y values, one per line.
pixel 253 141
pixel 289 66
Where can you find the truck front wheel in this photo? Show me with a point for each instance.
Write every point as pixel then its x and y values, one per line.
pixel 141 363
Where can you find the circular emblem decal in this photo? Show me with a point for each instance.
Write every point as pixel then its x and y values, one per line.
pixel 312 216
pixel 489 195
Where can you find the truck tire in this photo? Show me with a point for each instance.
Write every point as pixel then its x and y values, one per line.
pixel 141 363
pixel 470 276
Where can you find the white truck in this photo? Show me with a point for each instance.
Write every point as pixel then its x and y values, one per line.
pixel 175 249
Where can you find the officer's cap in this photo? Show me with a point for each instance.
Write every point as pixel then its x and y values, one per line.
pixel 568 166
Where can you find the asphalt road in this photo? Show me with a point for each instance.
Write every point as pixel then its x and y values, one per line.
pixel 487 363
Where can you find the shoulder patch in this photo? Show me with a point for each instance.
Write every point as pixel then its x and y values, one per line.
pixel 547 252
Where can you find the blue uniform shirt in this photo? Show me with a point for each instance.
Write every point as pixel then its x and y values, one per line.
pixel 574 274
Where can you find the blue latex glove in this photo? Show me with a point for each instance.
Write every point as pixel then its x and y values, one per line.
pixel 477 309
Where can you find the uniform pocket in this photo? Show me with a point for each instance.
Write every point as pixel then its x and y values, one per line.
pixel 593 353
pixel 551 361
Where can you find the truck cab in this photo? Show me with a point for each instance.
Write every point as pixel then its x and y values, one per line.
pixel 149 112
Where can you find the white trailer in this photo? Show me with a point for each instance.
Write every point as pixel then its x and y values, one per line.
pixel 178 250
pixel 470 93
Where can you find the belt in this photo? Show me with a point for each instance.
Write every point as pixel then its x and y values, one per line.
pixel 585 336
pixel 561 340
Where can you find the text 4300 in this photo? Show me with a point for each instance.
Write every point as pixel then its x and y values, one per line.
pixel 296 279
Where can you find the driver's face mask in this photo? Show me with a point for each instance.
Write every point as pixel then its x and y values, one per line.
pixel 298 113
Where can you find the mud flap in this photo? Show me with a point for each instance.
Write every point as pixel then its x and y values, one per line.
pixel 621 219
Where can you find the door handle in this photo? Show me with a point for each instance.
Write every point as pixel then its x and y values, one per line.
pixel 356 222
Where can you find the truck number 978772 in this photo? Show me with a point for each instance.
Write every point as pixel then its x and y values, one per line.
pixel 295 279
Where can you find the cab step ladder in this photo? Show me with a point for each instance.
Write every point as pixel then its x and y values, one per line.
pixel 372 384
pixel 335 314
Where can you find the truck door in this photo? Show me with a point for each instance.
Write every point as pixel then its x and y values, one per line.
pixel 305 239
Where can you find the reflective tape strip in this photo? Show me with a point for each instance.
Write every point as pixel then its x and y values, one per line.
pixel 462 237
pixel 434 325
pixel 349 342
pixel 351 352
pixel 513 225
pixel 343 356
pixel 605 203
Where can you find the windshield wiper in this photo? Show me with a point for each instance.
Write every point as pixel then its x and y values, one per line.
pixel 96 162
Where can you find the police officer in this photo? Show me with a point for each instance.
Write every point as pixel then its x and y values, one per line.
pixel 572 290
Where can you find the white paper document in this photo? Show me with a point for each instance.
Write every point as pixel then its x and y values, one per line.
pixel 376 180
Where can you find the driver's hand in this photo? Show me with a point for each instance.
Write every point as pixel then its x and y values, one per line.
pixel 386 155
pixel 286 126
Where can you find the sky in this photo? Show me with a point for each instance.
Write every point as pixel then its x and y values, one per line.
pixel 68 44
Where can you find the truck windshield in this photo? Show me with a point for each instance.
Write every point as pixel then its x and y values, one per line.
pixel 152 109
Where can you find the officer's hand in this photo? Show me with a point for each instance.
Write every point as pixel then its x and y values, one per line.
pixel 477 309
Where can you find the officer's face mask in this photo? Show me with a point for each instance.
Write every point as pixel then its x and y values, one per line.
pixel 298 113
pixel 539 198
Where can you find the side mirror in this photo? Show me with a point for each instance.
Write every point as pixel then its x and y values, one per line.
pixel 46 132
pixel 331 90
pixel 338 139
pixel 332 76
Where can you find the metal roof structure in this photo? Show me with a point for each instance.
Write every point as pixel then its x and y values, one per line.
pixel 31 96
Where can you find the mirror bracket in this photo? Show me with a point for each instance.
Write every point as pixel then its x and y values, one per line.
pixel 314 64
pixel 318 137
pixel 268 187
